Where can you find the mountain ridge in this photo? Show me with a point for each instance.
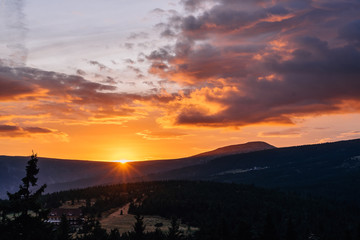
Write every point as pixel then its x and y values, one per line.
pixel 329 170
pixel 326 169
pixel 62 174
pixel 237 148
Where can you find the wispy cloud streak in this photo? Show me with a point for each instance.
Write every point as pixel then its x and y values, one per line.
pixel 14 31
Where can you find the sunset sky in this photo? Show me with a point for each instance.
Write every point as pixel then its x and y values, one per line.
pixel 158 79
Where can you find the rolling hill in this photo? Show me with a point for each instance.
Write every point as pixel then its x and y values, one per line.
pixel 329 170
pixel 61 174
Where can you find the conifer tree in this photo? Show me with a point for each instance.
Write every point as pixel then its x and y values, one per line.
pixel 139 227
pixel 28 221
pixel 174 232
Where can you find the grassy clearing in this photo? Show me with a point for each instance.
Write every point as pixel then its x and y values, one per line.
pixel 126 221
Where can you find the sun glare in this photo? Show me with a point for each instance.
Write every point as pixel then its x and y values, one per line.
pixel 122 161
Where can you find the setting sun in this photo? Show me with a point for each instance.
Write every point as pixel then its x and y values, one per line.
pixel 122 161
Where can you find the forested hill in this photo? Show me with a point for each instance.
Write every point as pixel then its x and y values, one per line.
pixel 331 169
pixel 226 211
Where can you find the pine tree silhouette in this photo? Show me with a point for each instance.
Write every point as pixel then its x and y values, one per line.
pixel 28 221
pixel 139 227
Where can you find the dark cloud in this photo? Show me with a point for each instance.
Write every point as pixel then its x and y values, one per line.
pixel 168 33
pixel 129 61
pixel 101 66
pixel 62 96
pixel 14 131
pixel 8 128
pixel 351 32
pixel 37 130
pixel 109 80
pixel 262 61
pixel 11 87
pixel 159 55
pixel 80 72
pixel 158 11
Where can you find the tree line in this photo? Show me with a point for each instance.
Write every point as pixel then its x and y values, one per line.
pixel 218 210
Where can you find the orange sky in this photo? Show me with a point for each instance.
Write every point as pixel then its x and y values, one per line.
pixel 170 79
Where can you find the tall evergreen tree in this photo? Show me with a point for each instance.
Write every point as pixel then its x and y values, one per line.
pixel 29 217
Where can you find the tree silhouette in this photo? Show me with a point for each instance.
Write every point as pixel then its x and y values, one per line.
pixel 62 232
pixel 24 200
pixel 28 221
pixel 114 234
pixel 139 227
pixel 174 233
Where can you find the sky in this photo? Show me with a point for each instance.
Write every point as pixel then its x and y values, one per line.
pixel 160 79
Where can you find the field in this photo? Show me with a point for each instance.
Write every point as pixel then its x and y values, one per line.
pixel 126 221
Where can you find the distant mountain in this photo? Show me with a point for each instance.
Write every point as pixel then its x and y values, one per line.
pixel 236 149
pixel 60 174
pixel 329 170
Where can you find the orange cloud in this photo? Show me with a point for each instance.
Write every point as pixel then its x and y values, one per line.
pixel 281 59
pixel 149 135
pixel 14 131
pixel 287 133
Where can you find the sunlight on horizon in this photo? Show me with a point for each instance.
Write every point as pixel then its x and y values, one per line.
pixel 123 161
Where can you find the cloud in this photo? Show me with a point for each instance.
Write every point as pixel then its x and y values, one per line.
pixel 129 61
pixel 80 72
pixel 62 97
pixel 158 11
pixel 342 136
pixel 14 31
pixel 252 62
pixel 8 128
pixel 129 45
pixel 37 130
pixel 138 35
pixel 149 135
pixel 12 87
pixel 101 66
pixel 14 131
pixel 351 32
pixel 291 132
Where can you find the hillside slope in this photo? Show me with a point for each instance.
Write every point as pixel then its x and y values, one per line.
pixel 61 174
pixel 330 170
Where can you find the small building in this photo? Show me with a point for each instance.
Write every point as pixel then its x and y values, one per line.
pixel 73 215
